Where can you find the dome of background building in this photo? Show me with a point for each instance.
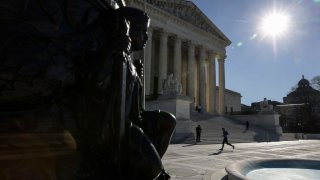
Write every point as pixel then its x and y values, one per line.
pixel 303 82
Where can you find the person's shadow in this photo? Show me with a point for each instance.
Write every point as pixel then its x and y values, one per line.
pixel 216 153
pixel 189 145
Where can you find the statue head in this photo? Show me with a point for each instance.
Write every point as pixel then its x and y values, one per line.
pixel 139 24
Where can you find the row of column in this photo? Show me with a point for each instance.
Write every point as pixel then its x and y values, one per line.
pixel 205 76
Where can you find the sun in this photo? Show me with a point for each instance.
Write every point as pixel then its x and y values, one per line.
pixel 275 24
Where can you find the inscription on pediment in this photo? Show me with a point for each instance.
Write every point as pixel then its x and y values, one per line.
pixel 186 11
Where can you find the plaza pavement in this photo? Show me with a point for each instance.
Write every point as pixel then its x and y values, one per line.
pixel 206 162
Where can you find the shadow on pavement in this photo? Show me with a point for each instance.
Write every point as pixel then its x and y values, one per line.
pixel 216 153
pixel 189 145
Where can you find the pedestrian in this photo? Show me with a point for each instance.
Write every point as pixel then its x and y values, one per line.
pixel 199 108
pixel 198 130
pixel 247 125
pixel 225 139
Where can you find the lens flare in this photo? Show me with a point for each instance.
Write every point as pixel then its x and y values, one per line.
pixel 239 44
pixel 253 36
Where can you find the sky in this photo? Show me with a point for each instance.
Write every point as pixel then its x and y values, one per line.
pixel 262 66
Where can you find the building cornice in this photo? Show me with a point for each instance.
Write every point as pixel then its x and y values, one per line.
pixel 189 12
pixel 163 19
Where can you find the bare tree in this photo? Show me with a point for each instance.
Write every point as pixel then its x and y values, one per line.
pixel 315 82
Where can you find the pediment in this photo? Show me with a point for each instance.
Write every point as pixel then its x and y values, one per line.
pixel 189 12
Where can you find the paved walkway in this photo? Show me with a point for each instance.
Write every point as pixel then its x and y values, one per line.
pixel 206 162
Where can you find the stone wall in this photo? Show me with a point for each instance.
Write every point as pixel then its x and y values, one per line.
pixel 232 100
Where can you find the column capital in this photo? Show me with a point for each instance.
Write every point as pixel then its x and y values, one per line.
pixel 202 48
pixel 176 36
pixel 221 57
pixel 163 33
pixel 212 54
pixel 191 44
pixel 177 39
pixel 163 37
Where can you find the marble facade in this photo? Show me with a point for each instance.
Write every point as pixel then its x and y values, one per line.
pixel 185 43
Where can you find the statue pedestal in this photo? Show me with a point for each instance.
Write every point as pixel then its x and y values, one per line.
pixel 273 122
pixel 179 106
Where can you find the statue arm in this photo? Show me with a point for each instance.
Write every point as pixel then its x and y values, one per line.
pixel 137 96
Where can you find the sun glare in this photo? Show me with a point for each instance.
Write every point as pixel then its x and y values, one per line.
pixel 275 24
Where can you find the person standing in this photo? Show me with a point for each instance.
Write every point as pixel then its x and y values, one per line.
pixel 198 130
pixel 225 139
pixel 247 125
pixel 199 108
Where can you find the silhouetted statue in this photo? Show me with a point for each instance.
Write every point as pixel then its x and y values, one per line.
pixel 68 63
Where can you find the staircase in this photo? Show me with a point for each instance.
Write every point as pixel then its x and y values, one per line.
pixel 212 133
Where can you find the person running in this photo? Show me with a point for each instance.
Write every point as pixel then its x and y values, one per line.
pixel 225 139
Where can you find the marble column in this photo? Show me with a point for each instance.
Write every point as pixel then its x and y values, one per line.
pixel 212 82
pixel 177 59
pixel 191 71
pixel 163 60
pixel 221 61
pixel 202 79
pixel 147 63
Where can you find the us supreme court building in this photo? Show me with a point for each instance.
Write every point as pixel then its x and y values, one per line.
pixel 184 42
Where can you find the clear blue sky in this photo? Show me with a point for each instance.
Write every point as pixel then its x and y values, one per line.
pixel 254 66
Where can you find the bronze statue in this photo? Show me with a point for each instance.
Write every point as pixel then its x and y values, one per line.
pixel 68 63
